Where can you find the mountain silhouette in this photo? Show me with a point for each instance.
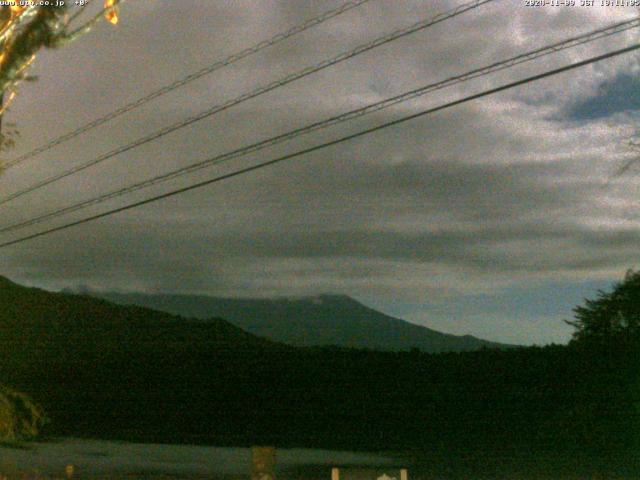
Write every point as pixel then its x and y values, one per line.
pixel 324 320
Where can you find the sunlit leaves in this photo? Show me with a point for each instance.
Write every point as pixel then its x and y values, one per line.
pixel 111 11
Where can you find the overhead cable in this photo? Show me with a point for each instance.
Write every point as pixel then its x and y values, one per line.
pixel 351 115
pixel 247 96
pixel 315 148
pixel 185 80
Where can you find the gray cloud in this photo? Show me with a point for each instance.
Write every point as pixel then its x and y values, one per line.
pixel 468 201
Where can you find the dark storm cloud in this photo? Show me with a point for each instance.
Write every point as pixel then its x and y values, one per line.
pixel 519 223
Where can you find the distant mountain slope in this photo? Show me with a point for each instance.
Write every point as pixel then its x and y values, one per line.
pixel 66 320
pixel 99 368
pixel 312 321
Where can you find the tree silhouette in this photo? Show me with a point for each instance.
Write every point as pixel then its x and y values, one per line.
pixel 612 316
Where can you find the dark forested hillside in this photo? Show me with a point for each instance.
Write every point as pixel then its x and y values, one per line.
pixel 100 367
pixel 105 370
pixel 325 320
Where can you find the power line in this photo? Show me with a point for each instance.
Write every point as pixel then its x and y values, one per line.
pixel 361 133
pixel 188 79
pixel 252 148
pixel 255 93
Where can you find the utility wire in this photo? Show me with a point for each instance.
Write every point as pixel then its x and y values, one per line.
pixel 315 148
pixel 188 79
pixel 255 93
pixel 252 148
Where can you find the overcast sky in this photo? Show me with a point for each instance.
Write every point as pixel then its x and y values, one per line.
pixel 492 218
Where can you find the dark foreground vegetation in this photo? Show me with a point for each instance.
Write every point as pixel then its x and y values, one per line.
pixel 20 417
pixel 102 370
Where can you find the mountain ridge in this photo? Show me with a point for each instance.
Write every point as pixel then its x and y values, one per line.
pixel 308 321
